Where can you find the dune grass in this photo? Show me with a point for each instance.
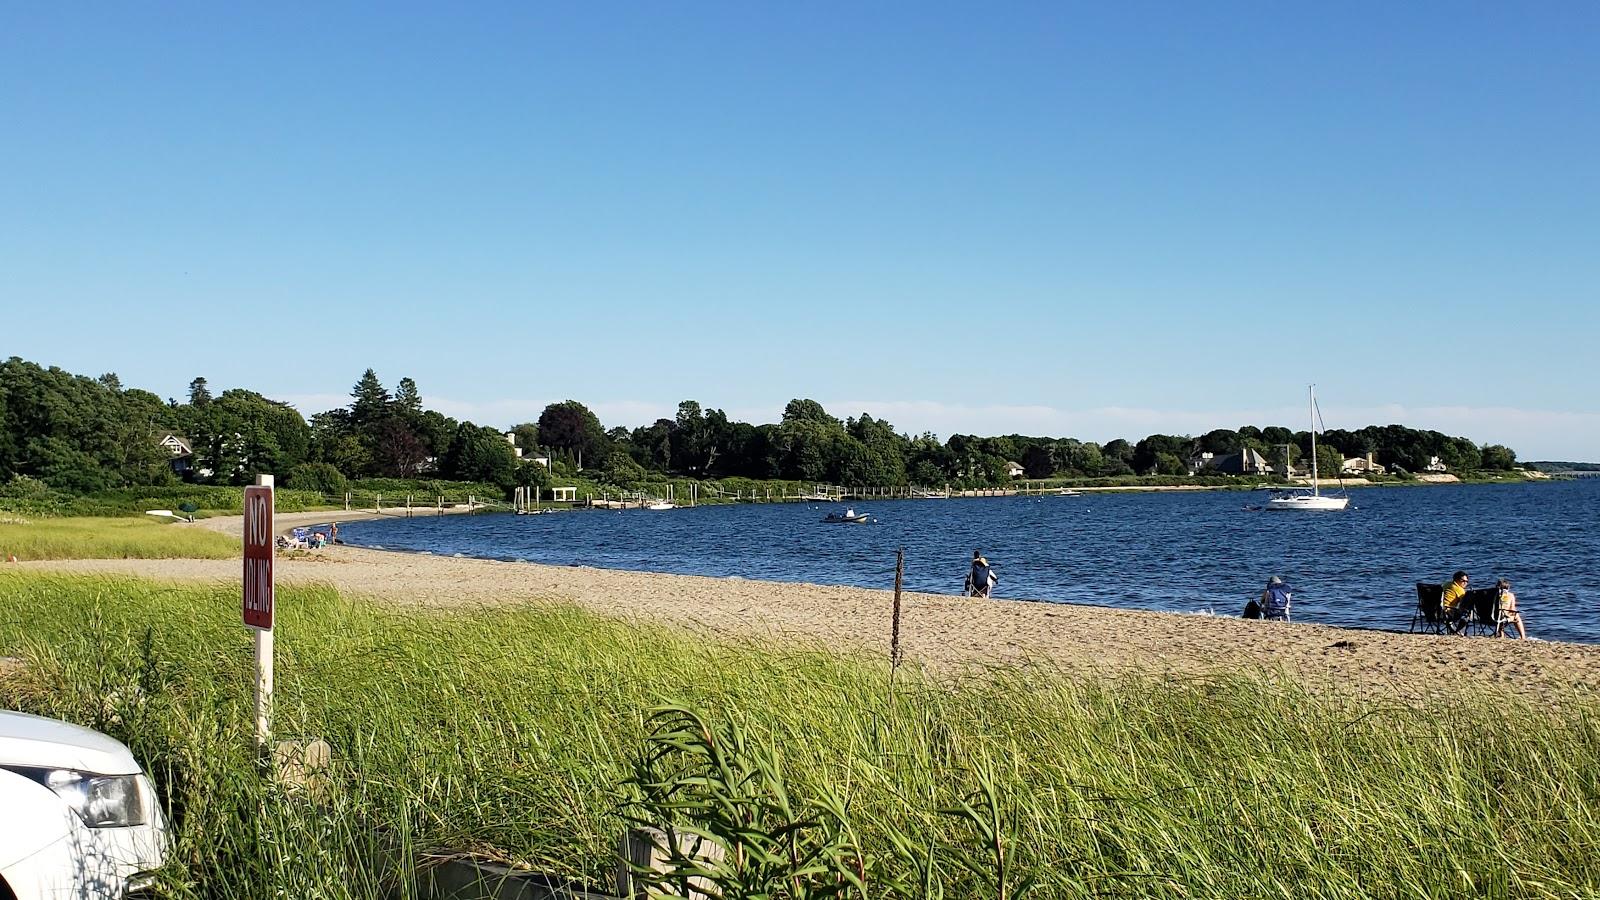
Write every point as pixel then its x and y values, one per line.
pixel 30 539
pixel 514 733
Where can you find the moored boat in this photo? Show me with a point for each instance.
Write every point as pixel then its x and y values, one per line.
pixel 1309 501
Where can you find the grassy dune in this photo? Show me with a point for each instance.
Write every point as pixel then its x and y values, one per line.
pixel 109 539
pixel 512 733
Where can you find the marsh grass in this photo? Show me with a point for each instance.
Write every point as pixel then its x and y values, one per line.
pixel 48 538
pixel 514 733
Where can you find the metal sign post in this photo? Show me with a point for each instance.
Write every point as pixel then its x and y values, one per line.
pixel 258 594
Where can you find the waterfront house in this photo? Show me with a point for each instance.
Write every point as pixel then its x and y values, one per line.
pixel 1244 462
pixel 1362 465
pixel 182 453
pixel 1015 470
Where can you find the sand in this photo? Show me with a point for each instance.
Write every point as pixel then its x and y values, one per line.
pixel 947 634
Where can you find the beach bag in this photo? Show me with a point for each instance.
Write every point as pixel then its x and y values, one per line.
pixel 1252 610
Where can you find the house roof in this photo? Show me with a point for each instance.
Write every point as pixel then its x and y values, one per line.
pixel 1238 461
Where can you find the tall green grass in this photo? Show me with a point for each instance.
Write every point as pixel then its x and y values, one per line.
pixel 30 539
pixel 522 734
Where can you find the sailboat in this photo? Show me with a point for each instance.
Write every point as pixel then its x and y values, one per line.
pixel 1312 500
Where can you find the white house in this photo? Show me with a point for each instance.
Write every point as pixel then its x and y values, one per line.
pixel 511 438
pixel 1362 465
pixel 1015 470
pixel 1434 465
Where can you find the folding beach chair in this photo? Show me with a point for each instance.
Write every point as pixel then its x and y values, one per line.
pixel 1430 616
pixel 1482 611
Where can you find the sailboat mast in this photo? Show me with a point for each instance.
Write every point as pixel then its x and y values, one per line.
pixel 1311 403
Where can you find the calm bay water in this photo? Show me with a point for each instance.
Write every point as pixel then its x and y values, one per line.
pixel 1186 552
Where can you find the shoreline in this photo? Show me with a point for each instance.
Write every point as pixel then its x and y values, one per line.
pixel 283 523
pixel 946 634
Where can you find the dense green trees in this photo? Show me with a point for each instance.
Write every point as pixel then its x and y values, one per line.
pixel 77 433
pixel 84 434
pixel 570 427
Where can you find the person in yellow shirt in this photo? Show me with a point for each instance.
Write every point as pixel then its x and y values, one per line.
pixel 1450 594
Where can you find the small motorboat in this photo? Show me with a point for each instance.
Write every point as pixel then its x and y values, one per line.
pixel 849 516
pixel 661 504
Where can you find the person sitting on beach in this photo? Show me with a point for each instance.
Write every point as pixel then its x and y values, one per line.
pixel 1275 599
pixel 1506 605
pixel 981 577
pixel 1450 594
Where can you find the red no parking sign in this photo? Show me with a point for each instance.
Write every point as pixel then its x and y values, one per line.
pixel 258 557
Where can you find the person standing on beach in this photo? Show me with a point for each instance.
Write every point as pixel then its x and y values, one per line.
pixel 981 577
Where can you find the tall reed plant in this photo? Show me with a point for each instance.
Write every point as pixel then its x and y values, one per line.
pixel 525 734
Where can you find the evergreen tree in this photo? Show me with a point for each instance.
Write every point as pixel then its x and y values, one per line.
pixel 199 394
pixel 407 400
pixel 371 401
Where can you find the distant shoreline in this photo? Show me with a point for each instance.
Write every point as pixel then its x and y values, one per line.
pixel 283 523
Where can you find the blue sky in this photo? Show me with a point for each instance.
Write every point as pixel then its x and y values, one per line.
pixel 1052 218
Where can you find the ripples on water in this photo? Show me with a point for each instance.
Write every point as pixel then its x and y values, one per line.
pixel 1178 551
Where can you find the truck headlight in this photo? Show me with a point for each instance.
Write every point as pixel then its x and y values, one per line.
pixel 101 801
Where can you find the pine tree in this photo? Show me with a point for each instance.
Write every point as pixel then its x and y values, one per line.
pixel 199 394
pixel 407 399
pixel 371 400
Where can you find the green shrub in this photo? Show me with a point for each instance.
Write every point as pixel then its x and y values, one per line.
pixel 319 478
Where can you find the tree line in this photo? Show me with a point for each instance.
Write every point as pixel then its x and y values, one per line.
pixel 83 434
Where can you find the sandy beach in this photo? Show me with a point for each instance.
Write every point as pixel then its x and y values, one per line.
pixel 945 633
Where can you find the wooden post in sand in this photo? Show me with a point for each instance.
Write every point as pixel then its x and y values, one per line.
pixel 894 627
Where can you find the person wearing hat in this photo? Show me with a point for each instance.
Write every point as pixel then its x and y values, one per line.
pixel 1275 600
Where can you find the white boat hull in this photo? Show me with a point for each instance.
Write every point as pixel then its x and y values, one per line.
pixel 1308 502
